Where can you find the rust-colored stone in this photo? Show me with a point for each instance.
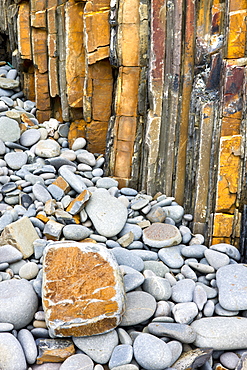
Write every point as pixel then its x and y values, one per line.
pixel 54 350
pixel 96 136
pixel 99 54
pixel 42 217
pixel 38 5
pixel 28 84
pixel 43 115
pixel 228 173
pixel 127 88
pixel 223 225
pixel 75 54
pixel 120 169
pixel 79 202
pixel 62 184
pixel 39 46
pixel 230 126
pixel 42 91
pixel 129 45
pixel 102 99
pixel 51 20
pixel 97 29
pixel 53 76
pixel 237 31
pixel 38 19
pixel 91 298
pixel 126 128
pixel 76 129
pixel 24 31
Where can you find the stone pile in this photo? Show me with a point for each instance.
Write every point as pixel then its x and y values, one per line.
pixel 171 301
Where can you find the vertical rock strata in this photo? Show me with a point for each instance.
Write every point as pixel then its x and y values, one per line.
pixel 83 292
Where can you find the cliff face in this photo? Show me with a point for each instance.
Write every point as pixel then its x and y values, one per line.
pixel 158 85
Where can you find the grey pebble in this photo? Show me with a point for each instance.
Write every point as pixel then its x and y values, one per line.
pixel 135 229
pixel 158 287
pixel 28 344
pixel 122 354
pixel 216 259
pixel 77 362
pixel 124 337
pixel 229 360
pixel 11 354
pixel 182 332
pixel 98 347
pixel 172 256
pixel 29 137
pixel 194 251
pixel 146 255
pixel 183 291
pixel 133 281
pixel 41 193
pixel 151 353
pixel 128 191
pixel 140 306
pixel 128 258
pixel 75 232
pixel 106 183
pixel 184 313
pixel 9 254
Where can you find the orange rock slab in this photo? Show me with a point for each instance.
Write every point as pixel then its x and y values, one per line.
pixel 83 292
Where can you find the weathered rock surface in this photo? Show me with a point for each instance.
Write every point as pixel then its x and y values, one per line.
pixel 90 300
pixel 160 235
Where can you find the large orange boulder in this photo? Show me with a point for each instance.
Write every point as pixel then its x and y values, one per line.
pixel 83 292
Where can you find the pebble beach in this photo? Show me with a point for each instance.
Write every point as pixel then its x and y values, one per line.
pixel 185 303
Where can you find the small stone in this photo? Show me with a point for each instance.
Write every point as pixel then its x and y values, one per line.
pixel 220 311
pixel 9 254
pixel 86 157
pixel 199 297
pixel 160 235
pixel 29 137
pixel 221 333
pixel 21 235
pixel 28 344
pixel 79 202
pixel 124 337
pixel 229 360
pixel 77 362
pixel 6 327
pixel 55 350
pixel 15 160
pixel 41 193
pixel 128 258
pixel 135 229
pixel 76 232
pixel 194 251
pixel 106 183
pixel 209 308
pixel 201 267
pixel 8 83
pixel 230 250
pixel 182 332
pixel 184 313
pixel 231 282
pixel 97 304
pixel 158 287
pixel 174 212
pixel 79 143
pixel 158 267
pixel 140 306
pixel 121 355
pixel 53 230
pixel 172 256
pixel 47 148
pixel 107 213
pixel 151 353
pixel 216 259
pixel 11 353
pixel 193 359
pixel 98 347
pixel 18 302
pixel 156 214
pixel 72 179
pixel 29 271
pixel 183 291
pixel 9 129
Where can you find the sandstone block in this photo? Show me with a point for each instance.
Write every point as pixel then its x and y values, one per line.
pixel 237 34
pixel 223 225
pixel 96 136
pixel 102 99
pixel 42 91
pixel 39 45
pixel 127 91
pixel 51 20
pixel 129 45
pixel 54 350
pixel 83 291
pixel 24 31
pixel 53 77
pixel 97 29
pixel 38 19
pixel 21 235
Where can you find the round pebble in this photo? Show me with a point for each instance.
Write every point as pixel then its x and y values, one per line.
pixel 30 137
pixel 77 362
pixel 75 232
pixel 16 160
pixel 29 271
pixel 47 148
pixel 11 354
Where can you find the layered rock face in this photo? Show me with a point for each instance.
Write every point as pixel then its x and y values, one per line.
pixel 83 292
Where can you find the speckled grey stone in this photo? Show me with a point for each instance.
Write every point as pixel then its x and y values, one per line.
pixel 121 355
pixel 216 259
pixel 106 182
pixel 15 160
pixel 29 137
pixel 41 193
pixel 133 281
pixel 194 251
pixel 77 362
pixel 158 287
pixel 75 232
pixel 182 332
pixel 128 258
pixel 28 344
pixel 172 256
pixel 9 254
pixel 229 249
pixel 9 129
pixel 183 291
pixel 184 313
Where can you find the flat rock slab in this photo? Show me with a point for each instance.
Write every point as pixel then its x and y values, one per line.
pixel 221 333
pixel 232 282
pixel 160 235
pixel 83 292
pixel 107 213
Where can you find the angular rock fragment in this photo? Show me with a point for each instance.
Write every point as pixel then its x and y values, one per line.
pixel 193 359
pixel 54 350
pixel 83 291
pixel 21 235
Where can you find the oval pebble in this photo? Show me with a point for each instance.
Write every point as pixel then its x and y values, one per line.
pixel 158 287
pixel 28 344
pixel 151 353
pixel 121 355
pixel 172 256
pixel 183 291
pixel 98 347
pixel 15 160
pixel 140 306
pixel 229 360
pixel 76 232
pixel 9 254
pixel 11 354
pixel 30 137
pixel 29 271
pixel 47 148
pixel 77 362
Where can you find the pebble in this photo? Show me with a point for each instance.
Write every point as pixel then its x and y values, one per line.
pixel 172 256
pixel 140 306
pixel 181 332
pixel 9 129
pixel 183 291
pixel 128 258
pixel 41 193
pixel 151 353
pixel 158 287
pixel 98 347
pixel 216 259
pixel 121 355
pixel 47 148
pixel 158 267
pixel 30 137
pixel 15 160
pixel 29 271
pixel 160 235
pixel 106 182
pixel 28 344
pixel 76 232
pixel 11 354
pixel 79 143
pixel 184 313
pixel 18 302
pixel 229 360
pixel 77 362
pixel 9 254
